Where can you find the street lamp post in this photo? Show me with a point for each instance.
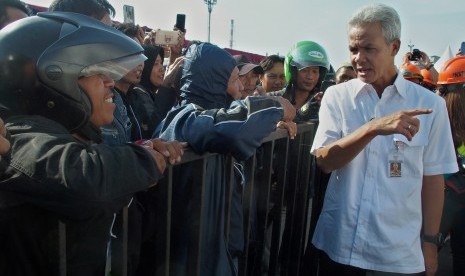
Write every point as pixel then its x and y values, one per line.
pixel 210 4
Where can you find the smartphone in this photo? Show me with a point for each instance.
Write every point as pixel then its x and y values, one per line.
pixel 462 48
pixel 128 12
pixel 181 22
pixel 325 84
pixel 166 37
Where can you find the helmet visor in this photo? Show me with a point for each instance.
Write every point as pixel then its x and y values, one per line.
pixel 304 64
pixel 114 69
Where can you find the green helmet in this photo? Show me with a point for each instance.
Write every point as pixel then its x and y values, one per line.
pixel 304 54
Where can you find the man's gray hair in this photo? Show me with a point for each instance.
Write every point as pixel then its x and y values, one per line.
pixel 385 15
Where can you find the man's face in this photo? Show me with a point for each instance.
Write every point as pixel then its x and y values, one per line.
pixel 235 85
pixel 345 74
pixel 13 14
pixel 274 79
pixel 371 57
pixel 307 78
pixel 249 81
pixel 98 88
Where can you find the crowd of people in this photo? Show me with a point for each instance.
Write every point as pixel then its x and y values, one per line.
pixel 91 117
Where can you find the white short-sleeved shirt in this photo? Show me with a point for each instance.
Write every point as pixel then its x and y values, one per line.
pixel 369 219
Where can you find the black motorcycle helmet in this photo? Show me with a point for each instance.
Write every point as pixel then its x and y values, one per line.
pixel 42 57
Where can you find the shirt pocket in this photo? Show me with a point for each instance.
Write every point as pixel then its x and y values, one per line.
pixel 412 152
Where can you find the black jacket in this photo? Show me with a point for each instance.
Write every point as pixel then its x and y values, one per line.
pixel 52 177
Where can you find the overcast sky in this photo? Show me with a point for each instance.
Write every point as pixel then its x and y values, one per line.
pixel 273 26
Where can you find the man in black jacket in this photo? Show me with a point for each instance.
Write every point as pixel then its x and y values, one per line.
pixel 55 94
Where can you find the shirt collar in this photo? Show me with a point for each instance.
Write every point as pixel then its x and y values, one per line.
pixel 400 86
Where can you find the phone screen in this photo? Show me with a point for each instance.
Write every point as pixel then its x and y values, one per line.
pixel 462 48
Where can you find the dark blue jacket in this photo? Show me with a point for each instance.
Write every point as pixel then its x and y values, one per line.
pixel 119 131
pixel 208 121
pixel 205 117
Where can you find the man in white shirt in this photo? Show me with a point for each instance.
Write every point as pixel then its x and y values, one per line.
pixel 373 216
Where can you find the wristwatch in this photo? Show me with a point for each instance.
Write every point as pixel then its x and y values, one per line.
pixel 436 239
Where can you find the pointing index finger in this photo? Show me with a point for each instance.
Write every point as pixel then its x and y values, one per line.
pixel 415 112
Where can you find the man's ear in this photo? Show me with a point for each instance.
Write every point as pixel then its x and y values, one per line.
pixel 395 47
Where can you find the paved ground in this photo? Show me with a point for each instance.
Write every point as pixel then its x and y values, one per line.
pixel 445 262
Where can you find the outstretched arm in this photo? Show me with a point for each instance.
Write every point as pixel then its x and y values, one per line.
pixel 344 150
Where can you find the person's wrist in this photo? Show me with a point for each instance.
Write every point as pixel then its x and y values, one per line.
pixel 436 240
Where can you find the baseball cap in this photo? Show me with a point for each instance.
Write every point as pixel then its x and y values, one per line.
pixel 245 65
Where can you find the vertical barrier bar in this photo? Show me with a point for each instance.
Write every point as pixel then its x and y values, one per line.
pixel 301 199
pixel 163 246
pixel 262 198
pixel 281 172
pixel 169 196
pixel 62 248
pixel 249 213
pixel 230 182
pixel 195 246
pixel 291 195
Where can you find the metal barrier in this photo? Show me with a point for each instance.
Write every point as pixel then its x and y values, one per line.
pixel 277 200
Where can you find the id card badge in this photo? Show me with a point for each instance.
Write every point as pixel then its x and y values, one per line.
pixel 396 159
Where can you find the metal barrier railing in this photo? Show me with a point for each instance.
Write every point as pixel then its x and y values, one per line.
pixel 277 203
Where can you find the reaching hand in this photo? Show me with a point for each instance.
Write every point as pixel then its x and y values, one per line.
pixel 424 60
pixel 289 109
pixel 290 126
pixel 140 35
pixel 157 156
pixel 318 96
pixel 172 71
pixel 176 50
pixel 173 150
pixel 149 39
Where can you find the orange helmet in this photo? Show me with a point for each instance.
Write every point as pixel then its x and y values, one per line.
pixel 453 71
pixel 427 77
pixel 410 71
